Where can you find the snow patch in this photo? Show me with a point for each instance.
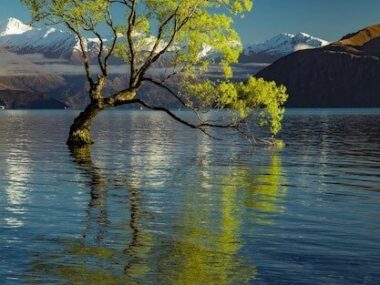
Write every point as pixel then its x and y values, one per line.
pixel 285 43
pixel 51 30
pixel 13 26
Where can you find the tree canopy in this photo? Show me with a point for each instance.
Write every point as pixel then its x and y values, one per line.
pixel 184 36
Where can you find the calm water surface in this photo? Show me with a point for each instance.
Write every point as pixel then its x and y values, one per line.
pixel 157 203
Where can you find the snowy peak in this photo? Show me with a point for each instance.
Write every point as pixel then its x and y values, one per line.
pixel 285 43
pixel 312 42
pixel 13 26
pixel 17 37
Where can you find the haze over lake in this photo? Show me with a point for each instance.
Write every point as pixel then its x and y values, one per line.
pixel 160 203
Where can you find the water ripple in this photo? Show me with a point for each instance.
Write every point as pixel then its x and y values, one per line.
pixel 155 202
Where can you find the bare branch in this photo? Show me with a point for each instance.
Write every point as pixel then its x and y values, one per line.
pixel 168 89
pixel 100 53
pixel 86 61
pixel 124 2
pixel 202 125
pixel 109 22
pixel 131 24
pixel 160 33
pixel 177 26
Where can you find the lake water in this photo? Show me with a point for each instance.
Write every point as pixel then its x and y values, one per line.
pixel 159 203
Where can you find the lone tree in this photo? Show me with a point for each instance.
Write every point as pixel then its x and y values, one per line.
pixel 181 34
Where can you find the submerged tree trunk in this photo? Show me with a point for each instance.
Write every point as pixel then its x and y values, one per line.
pixel 80 135
pixel 80 130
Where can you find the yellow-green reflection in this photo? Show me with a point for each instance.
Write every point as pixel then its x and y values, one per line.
pixel 206 251
pixel 264 191
pixel 202 245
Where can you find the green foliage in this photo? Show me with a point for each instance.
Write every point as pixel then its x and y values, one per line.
pixel 200 24
pixel 181 32
pixel 81 14
pixel 255 96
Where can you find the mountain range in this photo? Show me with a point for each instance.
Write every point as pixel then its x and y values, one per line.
pixel 344 73
pixel 46 61
pixel 15 36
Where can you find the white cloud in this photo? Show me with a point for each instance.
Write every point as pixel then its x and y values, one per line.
pixel 302 47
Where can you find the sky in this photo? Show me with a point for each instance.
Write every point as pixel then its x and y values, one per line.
pixel 326 19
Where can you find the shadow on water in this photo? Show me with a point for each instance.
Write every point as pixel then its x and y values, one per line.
pixel 202 243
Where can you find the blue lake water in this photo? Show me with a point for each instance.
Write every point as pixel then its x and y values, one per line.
pixel 158 203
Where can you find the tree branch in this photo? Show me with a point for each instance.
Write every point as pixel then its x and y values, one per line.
pixel 86 61
pixel 168 89
pixel 131 23
pixel 202 125
pixel 109 22
pixel 176 28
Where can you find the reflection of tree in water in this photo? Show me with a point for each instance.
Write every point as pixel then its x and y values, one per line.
pixel 263 191
pixel 205 245
pixel 141 242
pixel 86 260
pixel 97 207
pixel 208 252
pixel 91 260
pixel 135 251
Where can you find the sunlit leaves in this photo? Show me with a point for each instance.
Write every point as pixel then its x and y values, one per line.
pixel 268 98
pixel 82 14
pixel 188 36
pixel 255 96
pixel 193 26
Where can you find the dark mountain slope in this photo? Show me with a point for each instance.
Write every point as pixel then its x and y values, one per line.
pixel 343 74
pixel 18 99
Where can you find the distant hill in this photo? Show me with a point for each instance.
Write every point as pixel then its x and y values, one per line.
pixel 18 99
pixel 24 85
pixel 42 68
pixel 345 73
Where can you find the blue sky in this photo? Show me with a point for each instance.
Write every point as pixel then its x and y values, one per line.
pixel 327 19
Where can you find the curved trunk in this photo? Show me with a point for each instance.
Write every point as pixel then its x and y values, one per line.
pixel 80 135
pixel 80 130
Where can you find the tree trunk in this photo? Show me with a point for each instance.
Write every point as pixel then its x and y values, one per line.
pixel 80 135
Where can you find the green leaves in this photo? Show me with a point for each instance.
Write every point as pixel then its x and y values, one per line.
pixel 253 97
pixel 82 14
pixel 188 36
pixel 268 98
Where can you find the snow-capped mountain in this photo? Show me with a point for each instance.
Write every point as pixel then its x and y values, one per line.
pixel 13 27
pixel 17 37
pixel 284 44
